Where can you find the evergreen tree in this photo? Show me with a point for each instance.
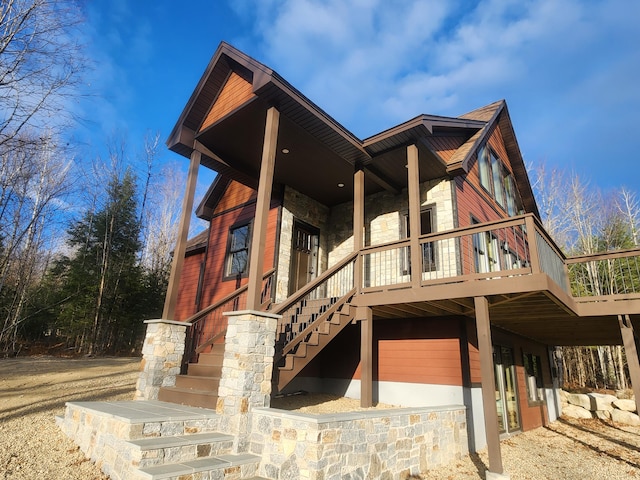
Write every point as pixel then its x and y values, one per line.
pixel 102 279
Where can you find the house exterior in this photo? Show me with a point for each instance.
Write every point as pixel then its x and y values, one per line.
pixel 407 268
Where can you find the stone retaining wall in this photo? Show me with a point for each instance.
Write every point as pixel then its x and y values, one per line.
pixel 382 444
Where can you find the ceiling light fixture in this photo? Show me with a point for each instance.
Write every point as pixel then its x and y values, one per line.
pixel 340 185
pixel 285 150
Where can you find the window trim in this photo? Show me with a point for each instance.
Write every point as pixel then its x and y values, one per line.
pixel 226 275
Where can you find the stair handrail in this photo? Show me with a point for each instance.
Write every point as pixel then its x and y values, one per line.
pixel 198 315
pixel 196 319
pixel 313 325
pixel 296 296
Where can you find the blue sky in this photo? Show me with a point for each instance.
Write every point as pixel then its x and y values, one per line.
pixel 568 69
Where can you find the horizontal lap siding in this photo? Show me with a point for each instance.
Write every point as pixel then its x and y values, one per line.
pixel 405 350
pixel 431 361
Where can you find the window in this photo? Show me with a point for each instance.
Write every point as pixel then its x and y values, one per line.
pixel 498 181
pixel 237 257
pixel 486 251
pixel 427 225
pixel 484 169
pixel 533 375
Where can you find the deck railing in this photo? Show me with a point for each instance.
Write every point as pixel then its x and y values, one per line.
pixel 504 248
pixel 598 277
pixel 209 324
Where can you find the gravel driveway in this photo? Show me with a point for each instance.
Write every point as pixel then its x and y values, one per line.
pixel 33 391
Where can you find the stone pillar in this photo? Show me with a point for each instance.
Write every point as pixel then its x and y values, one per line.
pixel 161 357
pixel 246 371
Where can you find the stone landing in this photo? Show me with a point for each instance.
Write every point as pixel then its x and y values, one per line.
pixel 152 440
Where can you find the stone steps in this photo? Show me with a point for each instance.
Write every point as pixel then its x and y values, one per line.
pixel 153 440
pixel 228 466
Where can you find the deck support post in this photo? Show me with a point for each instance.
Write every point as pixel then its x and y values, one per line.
pixel 365 316
pixel 487 372
pixel 414 215
pixel 259 233
pixel 171 299
pixel 358 223
pixel 631 352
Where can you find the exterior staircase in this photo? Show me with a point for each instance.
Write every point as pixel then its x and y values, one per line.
pixel 199 387
pixel 153 440
pixel 310 328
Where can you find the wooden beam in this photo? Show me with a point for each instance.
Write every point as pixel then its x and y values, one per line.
pixel 488 384
pixel 380 180
pixel 259 234
pixel 365 316
pixel 414 214
pixel 631 352
pixel 358 224
pixel 171 298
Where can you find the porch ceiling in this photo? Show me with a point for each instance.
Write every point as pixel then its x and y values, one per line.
pixel 538 316
pixel 315 164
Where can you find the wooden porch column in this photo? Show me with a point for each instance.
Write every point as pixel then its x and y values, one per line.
pixel 171 297
pixel 365 316
pixel 259 233
pixel 358 223
pixel 488 388
pixel 626 329
pixel 414 214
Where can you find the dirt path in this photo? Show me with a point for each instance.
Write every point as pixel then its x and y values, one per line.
pixel 33 391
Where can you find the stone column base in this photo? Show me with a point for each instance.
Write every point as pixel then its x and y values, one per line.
pixel 246 371
pixel 161 357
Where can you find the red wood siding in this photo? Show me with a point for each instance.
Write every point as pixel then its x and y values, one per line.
pixel 187 289
pixel 234 93
pixel 235 194
pixel 214 287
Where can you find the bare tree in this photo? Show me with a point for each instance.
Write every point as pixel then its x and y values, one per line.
pixel 40 65
pixel 629 207
pixel 30 198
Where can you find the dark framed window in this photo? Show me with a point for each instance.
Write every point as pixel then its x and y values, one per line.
pixel 533 377
pixel 496 179
pixel 237 257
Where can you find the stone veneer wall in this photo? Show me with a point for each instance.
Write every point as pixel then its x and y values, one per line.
pixel 162 353
pixel 247 367
pixel 366 444
pixel 383 214
pixel 300 207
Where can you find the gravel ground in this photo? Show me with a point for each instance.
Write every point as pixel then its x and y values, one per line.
pixel 33 391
